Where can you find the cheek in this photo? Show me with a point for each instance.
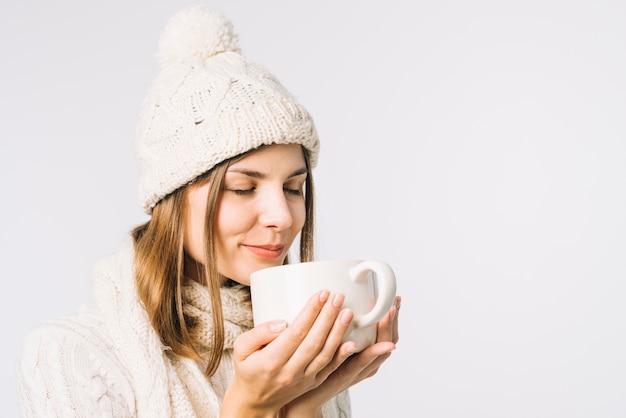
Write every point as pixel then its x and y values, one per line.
pixel 298 214
pixel 232 219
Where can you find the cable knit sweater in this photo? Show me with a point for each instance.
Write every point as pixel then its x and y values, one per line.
pixel 109 361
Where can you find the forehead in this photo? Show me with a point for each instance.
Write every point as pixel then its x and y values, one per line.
pixel 272 157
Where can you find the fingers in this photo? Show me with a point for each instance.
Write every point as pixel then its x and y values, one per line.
pixel 258 337
pixel 396 334
pixel 319 340
pixel 367 362
pixel 307 359
pixel 370 359
pixel 329 357
pixel 388 326
pixel 312 347
pixel 300 327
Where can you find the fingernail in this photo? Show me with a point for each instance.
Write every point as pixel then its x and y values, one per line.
pixel 338 300
pixel 278 326
pixel 351 347
pixel 324 296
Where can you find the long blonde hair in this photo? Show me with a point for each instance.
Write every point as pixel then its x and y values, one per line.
pixel 160 262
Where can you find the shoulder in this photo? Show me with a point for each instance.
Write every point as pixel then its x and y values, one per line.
pixel 84 332
pixel 69 364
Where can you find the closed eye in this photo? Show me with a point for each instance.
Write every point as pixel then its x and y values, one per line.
pixel 242 192
pixel 293 192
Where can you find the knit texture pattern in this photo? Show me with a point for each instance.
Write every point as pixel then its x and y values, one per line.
pixel 109 361
pixel 208 104
pixel 236 306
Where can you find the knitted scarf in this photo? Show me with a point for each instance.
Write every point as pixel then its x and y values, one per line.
pixel 166 385
pixel 161 391
pixel 236 306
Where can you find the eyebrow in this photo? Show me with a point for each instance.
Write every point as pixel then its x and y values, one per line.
pixel 259 175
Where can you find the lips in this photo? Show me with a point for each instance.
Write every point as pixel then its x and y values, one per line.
pixel 268 252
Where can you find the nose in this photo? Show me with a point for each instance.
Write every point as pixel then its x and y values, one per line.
pixel 275 211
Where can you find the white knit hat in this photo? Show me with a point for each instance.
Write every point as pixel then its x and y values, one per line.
pixel 209 104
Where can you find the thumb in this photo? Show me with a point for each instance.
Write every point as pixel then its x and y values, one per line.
pixel 257 338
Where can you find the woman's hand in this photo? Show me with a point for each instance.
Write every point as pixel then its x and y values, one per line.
pixel 276 363
pixel 358 367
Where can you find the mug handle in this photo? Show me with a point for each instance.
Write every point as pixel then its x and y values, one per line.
pixel 385 284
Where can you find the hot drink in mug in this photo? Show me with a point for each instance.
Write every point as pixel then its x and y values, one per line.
pixel 369 287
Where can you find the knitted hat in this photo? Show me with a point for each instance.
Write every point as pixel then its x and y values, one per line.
pixel 208 104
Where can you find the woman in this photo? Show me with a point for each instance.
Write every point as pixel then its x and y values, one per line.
pixel 225 156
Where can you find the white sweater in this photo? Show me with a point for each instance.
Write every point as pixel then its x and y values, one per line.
pixel 109 361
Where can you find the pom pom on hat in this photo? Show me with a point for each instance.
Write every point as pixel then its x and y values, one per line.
pixel 195 33
pixel 209 104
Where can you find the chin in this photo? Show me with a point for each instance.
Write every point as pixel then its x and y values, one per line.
pixel 243 277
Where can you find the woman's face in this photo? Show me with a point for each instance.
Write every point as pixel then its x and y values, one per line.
pixel 260 213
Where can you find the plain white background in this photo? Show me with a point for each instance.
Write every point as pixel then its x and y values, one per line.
pixel 478 146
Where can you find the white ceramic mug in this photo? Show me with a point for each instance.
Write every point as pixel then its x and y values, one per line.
pixel 369 287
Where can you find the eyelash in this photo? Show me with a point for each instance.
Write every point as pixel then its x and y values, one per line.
pixel 240 192
pixel 293 192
